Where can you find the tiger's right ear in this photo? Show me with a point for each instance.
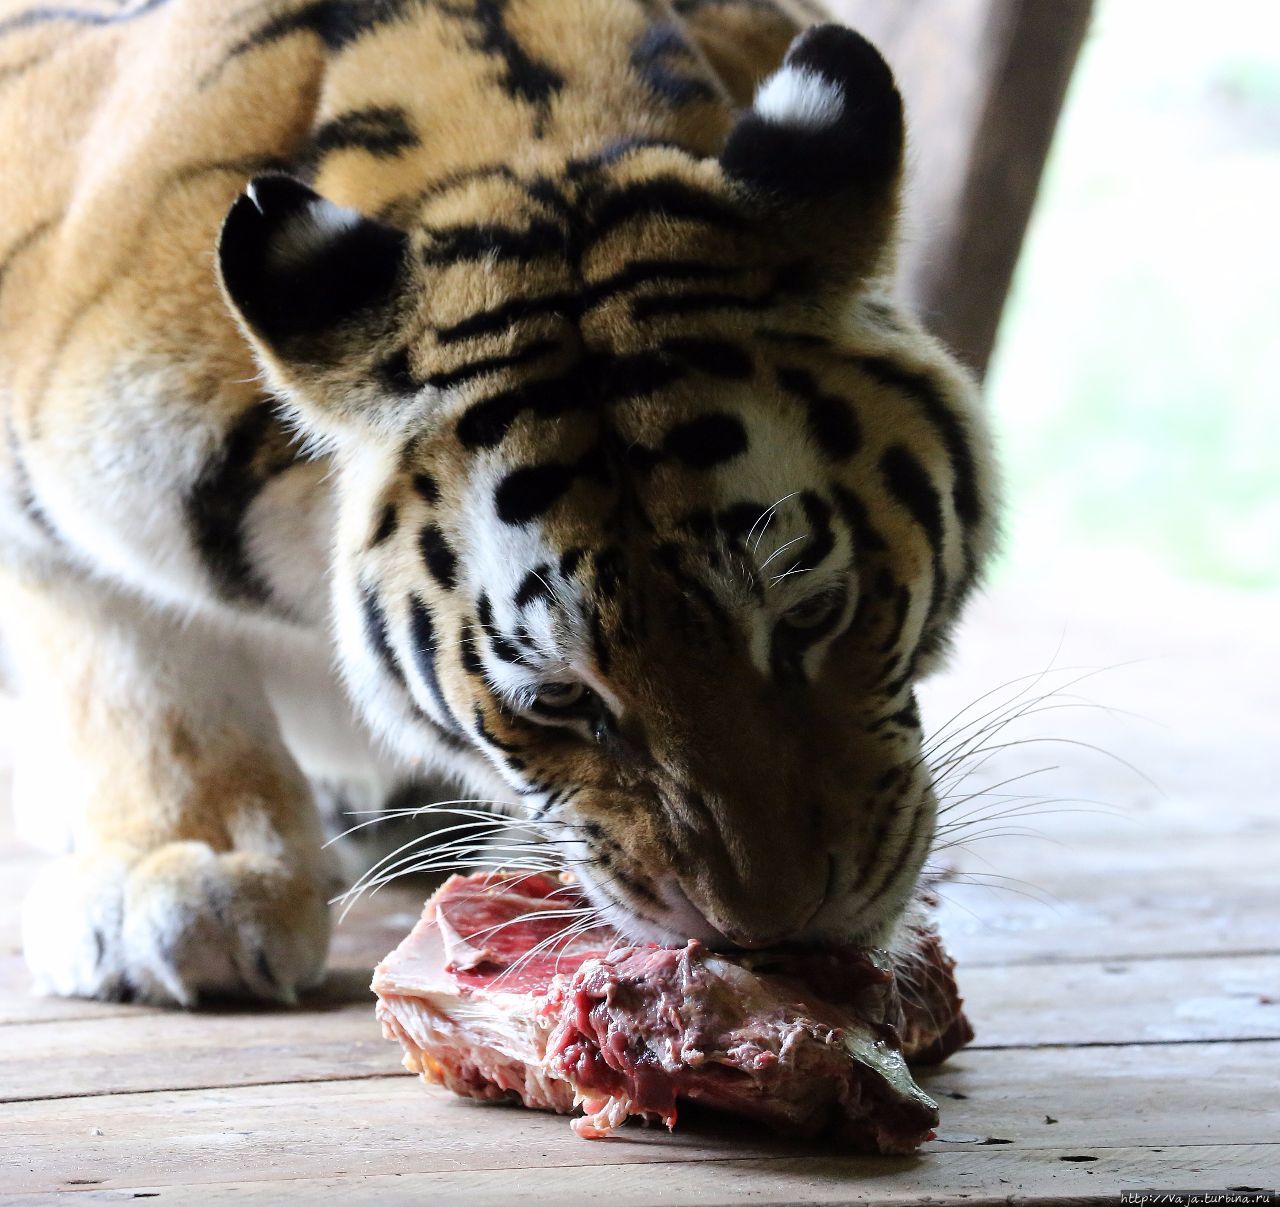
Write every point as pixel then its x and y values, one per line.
pixel 295 265
pixel 818 156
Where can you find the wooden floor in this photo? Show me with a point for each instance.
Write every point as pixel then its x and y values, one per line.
pixel 1125 989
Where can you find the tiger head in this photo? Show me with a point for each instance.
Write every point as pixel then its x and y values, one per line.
pixel 649 498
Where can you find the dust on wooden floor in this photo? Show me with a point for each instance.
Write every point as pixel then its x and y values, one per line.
pixel 1125 984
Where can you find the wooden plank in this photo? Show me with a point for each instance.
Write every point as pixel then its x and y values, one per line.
pixel 990 1179
pixel 1183 910
pixel 968 1179
pixel 1148 1001
pixel 1162 1097
pixel 1145 1001
pixel 19 1005
pixel 983 83
pixel 174 1049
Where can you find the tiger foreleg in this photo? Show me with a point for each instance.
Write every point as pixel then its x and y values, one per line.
pixel 194 864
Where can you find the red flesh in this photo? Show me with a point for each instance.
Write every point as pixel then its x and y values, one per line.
pixel 804 1041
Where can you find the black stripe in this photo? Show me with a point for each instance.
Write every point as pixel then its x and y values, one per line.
pixel 618 149
pixel 691 8
pixel 668 196
pixel 798 339
pixel 599 642
pixel 503 649
pixel 28 502
pixel 386 526
pixel 893 686
pixel 883 314
pixel 737 519
pixel 907 717
pixel 610 571
pixel 909 484
pixel 471 660
pixel 927 394
pixel 534 789
pixel 654 304
pixel 670 558
pixel 376 634
pixel 573 304
pixel 439 556
pixel 487 735
pixel 570 560
pixel 548 192
pixel 876 849
pixel 634 887
pixel 854 510
pixel 706 441
pixel 491 364
pixel 422 635
pixel 256 449
pixel 819 546
pixel 832 421
pixel 383 131
pixel 891 870
pixel 426 486
pixel 534 586
pixel 715 357
pixel 483 241
pixel 523 77
pixel 664 59
pixel 594 381
pixel 786 656
pixel 901 606
pixel 788 644
pixel 500 646
pixel 408 203
pixel 531 491
pixel 337 23
pixel 649 272
pixel 485 322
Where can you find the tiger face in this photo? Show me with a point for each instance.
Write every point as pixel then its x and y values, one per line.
pixel 648 498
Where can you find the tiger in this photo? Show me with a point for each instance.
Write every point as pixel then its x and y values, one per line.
pixel 505 397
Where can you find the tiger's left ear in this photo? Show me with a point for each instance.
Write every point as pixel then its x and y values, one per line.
pixel 296 266
pixel 819 153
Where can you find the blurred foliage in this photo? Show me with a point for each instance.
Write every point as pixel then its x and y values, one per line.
pixel 1137 378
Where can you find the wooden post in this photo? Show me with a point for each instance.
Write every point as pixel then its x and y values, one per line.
pixel 983 81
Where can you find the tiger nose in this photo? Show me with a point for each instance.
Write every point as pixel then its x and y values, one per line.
pixel 768 920
pixel 756 942
pixel 753 936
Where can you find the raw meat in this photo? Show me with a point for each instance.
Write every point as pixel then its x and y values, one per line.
pixel 491 999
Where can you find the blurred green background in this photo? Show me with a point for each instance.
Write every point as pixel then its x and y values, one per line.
pixel 1137 377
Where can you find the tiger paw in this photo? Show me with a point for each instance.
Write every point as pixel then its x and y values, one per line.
pixel 182 923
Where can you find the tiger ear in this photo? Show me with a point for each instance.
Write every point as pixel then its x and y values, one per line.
pixel 294 265
pixel 819 153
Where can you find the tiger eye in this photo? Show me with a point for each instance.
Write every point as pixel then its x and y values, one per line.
pixel 560 695
pixel 812 612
